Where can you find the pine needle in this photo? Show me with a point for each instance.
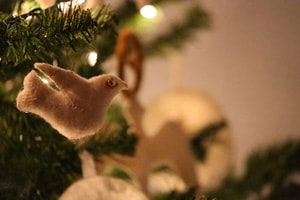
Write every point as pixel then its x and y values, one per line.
pixel 38 33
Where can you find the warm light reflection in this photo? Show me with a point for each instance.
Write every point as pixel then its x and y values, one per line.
pixel 148 11
pixel 64 6
pixel 45 81
pixel 92 58
pixel 29 18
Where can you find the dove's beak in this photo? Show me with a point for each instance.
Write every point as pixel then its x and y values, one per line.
pixel 125 85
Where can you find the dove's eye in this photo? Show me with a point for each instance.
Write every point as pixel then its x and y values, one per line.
pixel 111 83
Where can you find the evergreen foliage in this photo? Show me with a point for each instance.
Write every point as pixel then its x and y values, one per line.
pixel 207 133
pixel 195 19
pixel 39 34
pixel 35 161
pixel 117 140
pixel 271 174
pixel 188 195
pixel 39 163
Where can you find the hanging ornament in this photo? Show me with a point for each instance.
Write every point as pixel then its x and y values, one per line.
pixel 181 117
pixel 191 108
pixel 170 147
pixel 46 3
pixel 102 188
pixel 76 106
pixel 129 52
pixel 205 126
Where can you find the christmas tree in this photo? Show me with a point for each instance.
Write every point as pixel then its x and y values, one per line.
pixel 37 162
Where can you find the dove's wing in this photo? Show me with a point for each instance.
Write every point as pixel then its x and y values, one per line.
pixel 64 79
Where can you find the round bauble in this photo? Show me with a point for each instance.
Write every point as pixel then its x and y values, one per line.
pixel 102 188
pixel 189 107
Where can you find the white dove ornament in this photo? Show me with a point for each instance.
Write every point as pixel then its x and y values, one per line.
pixel 77 108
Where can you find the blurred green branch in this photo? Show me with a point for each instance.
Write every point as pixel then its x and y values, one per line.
pixel 39 33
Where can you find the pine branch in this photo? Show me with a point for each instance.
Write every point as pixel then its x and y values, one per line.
pixel 268 176
pixel 196 18
pixel 116 140
pixel 119 142
pixel 40 33
pixel 38 163
pixel 190 194
pixel 208 132
pixel 6 6
pixel 35 161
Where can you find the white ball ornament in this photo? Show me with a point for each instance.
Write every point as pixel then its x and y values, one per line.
pixel 189 107
pixel 102 188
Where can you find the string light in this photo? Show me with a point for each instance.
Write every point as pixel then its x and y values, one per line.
pixel 64 6
pixel 38 138
pixel 28 18
pixel 148 11
pixel 92 58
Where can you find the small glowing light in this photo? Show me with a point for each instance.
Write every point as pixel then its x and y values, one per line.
pixel 21 138
pixel 28 18
pixel 92 58
pixel 64 6
pixel 79 2
pixel 148 11
pixel 45 81
pixel 38 138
